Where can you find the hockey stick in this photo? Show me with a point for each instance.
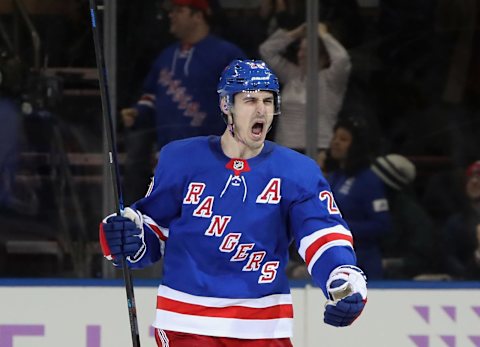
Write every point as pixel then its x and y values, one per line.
pixel 112 152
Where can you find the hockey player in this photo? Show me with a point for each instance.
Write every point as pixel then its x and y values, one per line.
pixel 222 212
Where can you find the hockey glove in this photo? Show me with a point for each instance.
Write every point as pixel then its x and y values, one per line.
pixel 123 236
pixel 347 289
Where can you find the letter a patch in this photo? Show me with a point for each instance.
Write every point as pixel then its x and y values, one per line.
pixel 271 193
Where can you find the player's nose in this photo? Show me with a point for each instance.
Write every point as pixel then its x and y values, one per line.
pixel 261 108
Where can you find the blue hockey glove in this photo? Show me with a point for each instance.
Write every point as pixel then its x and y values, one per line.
pixel 123 236
pixel 347 289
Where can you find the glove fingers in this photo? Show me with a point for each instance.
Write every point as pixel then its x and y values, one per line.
pixel 124 250
pixel 114 241
pixel 119 226
pixel 122 235
pixel 351 303
pixel 116 251
pixel 131 233
pixel 113 219
pixel 132 242
pixel 333 312
pixel 338 320
pixel 354 298
pixel 336 323
pixel 345 311
pixel 130 250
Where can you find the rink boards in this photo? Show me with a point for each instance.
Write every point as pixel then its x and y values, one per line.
pixel 93 313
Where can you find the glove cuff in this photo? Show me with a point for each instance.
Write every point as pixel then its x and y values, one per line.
pixel 355 281
pixel 136 217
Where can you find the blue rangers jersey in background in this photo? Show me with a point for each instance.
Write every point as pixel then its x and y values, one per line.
pixel 180 91
pixel 225 225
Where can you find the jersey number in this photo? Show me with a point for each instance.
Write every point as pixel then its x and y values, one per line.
pixel 331 205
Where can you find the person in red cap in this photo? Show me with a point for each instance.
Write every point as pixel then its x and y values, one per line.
pixel 461 244
pixel 179 96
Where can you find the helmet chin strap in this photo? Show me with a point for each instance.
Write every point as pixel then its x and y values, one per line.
pixel 231 126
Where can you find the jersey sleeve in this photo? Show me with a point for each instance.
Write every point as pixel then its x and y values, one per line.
pixel 160 206
pixel 321 235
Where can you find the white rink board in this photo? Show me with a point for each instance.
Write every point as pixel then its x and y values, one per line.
pixel 90 316
pixel 391 319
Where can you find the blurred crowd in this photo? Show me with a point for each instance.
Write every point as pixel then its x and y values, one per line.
pixel 398 118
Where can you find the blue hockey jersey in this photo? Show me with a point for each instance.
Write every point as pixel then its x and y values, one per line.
pixel 363 202
pixel 224 227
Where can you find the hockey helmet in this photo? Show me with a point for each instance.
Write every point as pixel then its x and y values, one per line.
pixel 248 75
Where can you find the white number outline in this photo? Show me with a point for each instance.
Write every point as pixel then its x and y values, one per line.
pixel 331 204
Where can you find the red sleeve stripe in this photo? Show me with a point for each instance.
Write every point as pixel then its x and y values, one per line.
pixel 161 232
pixel 310 239
pixel 322 242
pixel 236 312
pixel 156 229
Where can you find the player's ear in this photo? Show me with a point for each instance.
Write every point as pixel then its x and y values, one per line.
pixel 224 106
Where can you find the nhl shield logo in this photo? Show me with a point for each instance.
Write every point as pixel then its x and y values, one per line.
pixel 238 165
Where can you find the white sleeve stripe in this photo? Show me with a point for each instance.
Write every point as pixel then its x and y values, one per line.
pixel 266 301
pixel 322 249
pixel 151 223
pixel 307 241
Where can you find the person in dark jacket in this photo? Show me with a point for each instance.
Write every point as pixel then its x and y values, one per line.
pixel 359 193
pixel 461 246
pixel 408 251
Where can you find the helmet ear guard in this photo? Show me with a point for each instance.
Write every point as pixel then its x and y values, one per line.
pixel 247 75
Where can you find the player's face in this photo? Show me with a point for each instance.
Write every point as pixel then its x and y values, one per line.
pixel 252 117
pixel 341 141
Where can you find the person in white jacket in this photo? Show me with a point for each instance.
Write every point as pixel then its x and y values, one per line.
pixel 333 74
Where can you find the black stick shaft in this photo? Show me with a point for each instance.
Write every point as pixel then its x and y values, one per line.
pixel 112 159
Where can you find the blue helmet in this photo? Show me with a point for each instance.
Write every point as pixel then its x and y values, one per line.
pixel 248 75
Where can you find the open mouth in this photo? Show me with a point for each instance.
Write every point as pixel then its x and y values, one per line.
pixel 257 129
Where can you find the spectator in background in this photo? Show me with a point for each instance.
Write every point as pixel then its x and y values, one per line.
pixel 461 247
pixel 10 118
pixel 179 95
pixel 12 81
pixel 408 250
pixel 333 72
pixel 359 193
